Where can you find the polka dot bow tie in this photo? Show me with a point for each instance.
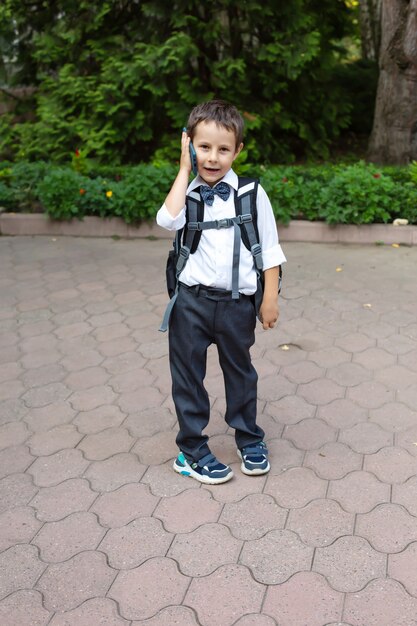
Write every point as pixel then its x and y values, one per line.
pixel 207 193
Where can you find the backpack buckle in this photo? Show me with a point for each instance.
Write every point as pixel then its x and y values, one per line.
pixel 183 255
pixel 244 219
pixel 224 223
pixel 194 226
pixel 256 251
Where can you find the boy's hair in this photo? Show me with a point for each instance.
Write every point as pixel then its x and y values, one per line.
pixel 221 112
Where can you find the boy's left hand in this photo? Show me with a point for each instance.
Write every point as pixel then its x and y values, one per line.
pixel 269 313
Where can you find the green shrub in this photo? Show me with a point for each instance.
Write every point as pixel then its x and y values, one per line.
pixel 337 194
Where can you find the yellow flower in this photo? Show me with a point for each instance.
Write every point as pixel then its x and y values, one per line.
pixel 109 193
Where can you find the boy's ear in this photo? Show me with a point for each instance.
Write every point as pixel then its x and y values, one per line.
pixel 238 150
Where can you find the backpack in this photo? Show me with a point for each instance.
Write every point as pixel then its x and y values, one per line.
pixel 186 241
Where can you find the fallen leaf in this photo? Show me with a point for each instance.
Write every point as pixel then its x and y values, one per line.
pixel 367 306
pixel 285 347
pixel 339 269
pixel 395 245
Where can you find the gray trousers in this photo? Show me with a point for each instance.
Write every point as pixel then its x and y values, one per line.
pixel 203 316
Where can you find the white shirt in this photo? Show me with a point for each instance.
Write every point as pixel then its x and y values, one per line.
pixel 211 263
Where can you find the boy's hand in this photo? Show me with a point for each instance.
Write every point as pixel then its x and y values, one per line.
pixel 185 161
pixel 269 313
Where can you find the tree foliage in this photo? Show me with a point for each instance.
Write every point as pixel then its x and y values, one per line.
pixel 117 78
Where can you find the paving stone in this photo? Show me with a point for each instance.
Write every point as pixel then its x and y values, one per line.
pixel 164 482
pixel 366 438
pixel 397 344
pixel 320 522
pixel 224 596
pixel 98 419
pixel 349 563
pixel 408 396
pixel 374 359
pixel 274 388
pixel 89 399
pixel 187 549
pixel 321 391
pixel 342 413
pixel 305 599
pixel 14 460
pixel 355 342
pixel 296 487
pixel 40 358
pixel 9 371
pixel 188 510
pixel 124 363
pixel 18 525
pixel 170 616
pixel 138 596
pixel 349 374
pixel 253 517
pixel 11 389
pixel 70 496
pixel 129 546
pixel 381 603
pixel 291 410
pixel 276 556
pixel 86 378
pixel 102 445
pixel 114 472
pixel 310 434
pixel 406 495
pixel 23 608
pixel 16 490
pixel 396 377
pixel 388 528
pixel 370 395
pixel 359 492
pixel 45 418
pixel 81 360
pixel 132 381
pixel 408 440
pixel 94 611
pixel 256 619
pixel 67 585
pixel 138 401
pixel 115 347
pixel 391 465
pixel 12 410
pixel 43 376
pixel 52 470
pixel 333 461
pixel 58 438
pixel 237 488
pixel 120 507
pixel 402 567
pixel 282 455
pixel 20 567
pixel 13 434
pixel 156 449
pixel 303 372
pixel 394 417
pixel 59 541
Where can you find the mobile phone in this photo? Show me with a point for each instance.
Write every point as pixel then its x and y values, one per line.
pixel 193 155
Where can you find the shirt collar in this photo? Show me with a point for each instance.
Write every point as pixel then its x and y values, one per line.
pixel 230 178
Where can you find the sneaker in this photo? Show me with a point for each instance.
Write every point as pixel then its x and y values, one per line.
pixel 207 470
pixel 254 459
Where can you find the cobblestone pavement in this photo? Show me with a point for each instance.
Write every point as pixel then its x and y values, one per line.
pixel 96 528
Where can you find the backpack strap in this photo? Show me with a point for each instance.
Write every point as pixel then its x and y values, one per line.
pixel 245 206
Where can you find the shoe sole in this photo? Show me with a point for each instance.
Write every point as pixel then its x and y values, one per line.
pixel 254 472
pixel 201 479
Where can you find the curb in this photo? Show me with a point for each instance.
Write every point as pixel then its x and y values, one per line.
pixel 14 224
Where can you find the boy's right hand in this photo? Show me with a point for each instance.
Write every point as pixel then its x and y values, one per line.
pixel 185 161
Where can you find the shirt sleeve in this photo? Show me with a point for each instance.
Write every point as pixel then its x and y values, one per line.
pixel 272 254
pixel 165 219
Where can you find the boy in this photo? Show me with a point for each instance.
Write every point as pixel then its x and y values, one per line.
pixel 205 312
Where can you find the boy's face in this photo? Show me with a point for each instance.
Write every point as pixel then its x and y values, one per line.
pixel 215 147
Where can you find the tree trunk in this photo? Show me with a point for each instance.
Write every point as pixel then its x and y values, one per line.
pixel 370 22
pixel 394 134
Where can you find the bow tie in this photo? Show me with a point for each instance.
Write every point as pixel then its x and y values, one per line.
pixel 207 193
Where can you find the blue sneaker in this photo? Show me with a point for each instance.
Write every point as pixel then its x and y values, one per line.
pixel 254 459
pixel 207 470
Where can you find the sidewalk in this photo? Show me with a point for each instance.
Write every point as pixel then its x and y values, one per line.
pixel 95 527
